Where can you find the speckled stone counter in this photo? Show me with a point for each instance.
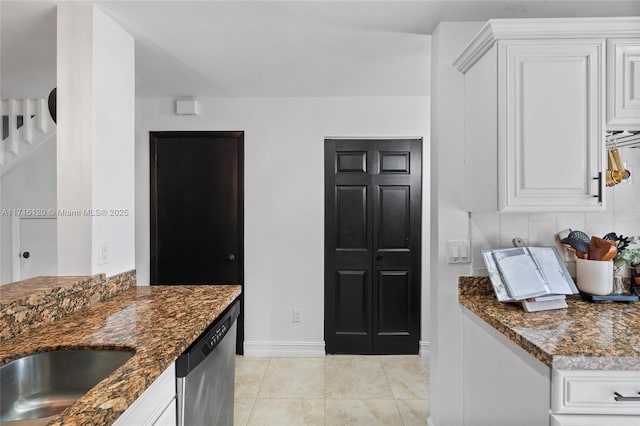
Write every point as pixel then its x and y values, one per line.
pixel 41 300
pixel 158 322
pixel 585 336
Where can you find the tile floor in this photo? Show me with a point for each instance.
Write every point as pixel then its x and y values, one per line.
pixel 334 390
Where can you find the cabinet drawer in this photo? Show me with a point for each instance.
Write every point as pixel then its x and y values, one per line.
pixel 593 392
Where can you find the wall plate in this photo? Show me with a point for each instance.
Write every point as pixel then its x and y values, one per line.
pixel 459 251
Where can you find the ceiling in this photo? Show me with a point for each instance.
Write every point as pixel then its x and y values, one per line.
pixel 268 48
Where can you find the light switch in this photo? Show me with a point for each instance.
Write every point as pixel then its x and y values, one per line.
pixel 459 251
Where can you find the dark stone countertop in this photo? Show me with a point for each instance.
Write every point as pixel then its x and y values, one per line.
pixel 585 336
pixel 158 322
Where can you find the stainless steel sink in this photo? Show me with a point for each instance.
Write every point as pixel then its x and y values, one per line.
pixel 42 385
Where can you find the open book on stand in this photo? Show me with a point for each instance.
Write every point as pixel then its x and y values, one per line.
pixel 535 276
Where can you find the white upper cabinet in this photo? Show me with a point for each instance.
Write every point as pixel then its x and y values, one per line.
pixel 623 84
pixel 535 113
pixel 550 94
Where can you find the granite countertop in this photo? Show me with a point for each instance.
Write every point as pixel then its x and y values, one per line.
pixel 38 286
pixel 158 322
pixel 38 301
pixel 585 336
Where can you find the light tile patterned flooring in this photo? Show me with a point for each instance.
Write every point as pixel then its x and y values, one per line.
pixel 334 390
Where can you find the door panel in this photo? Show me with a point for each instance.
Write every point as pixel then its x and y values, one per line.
pixel 197 210
pixel 394 307
pixel 394 162
pixel 372 246
pixel 352 162
pixel 352 217
pixel 351 299
pixel 394 217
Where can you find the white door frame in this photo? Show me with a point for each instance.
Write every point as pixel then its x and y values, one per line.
pixel 15 248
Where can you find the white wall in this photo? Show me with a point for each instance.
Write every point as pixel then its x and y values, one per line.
pixel 30 184
pixel 448 220
pixel 96 109
pixel 284 234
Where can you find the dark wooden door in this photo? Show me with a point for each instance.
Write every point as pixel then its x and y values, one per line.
pixel 372 246
pixel 197 209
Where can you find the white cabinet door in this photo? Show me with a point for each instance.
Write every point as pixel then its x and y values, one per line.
pixel 154 405
pixel 550 145
pixel 169 416
pixel 534 127
pixel 623 84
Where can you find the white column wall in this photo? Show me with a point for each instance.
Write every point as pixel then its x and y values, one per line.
pixel 74 137
pixel 449 220
pixel 113 171
pixel 95 149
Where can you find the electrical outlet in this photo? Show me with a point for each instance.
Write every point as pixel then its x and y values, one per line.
pixel 103 254
pixel 297 315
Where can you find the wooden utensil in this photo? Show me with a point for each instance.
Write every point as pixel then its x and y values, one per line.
pixel 600 249
pixel 582 255
pixel 613 251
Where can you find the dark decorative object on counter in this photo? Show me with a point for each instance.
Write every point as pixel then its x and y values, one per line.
pixel 621 298
pixel 635 278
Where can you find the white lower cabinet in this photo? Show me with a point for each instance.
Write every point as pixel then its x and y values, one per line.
pixel 503 385
pixel 156 406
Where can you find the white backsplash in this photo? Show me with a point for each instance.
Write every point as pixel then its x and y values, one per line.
pixel 496 230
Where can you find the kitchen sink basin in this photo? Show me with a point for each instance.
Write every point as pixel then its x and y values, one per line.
pixel 42 385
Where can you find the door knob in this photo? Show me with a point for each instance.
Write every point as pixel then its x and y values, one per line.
pixel 26 254
pixel 231 257
pixel 379 257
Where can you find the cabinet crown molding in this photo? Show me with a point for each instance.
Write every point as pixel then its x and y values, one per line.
pixel 537 29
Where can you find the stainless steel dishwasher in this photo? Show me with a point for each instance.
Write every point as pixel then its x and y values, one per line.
pixel 205 374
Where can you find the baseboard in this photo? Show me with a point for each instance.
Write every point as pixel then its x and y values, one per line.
pixel 425 348
pixel 425 353
pixel 284 349
pixel 306 349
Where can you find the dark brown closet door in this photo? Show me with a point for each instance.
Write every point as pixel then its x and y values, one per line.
pixel 372 246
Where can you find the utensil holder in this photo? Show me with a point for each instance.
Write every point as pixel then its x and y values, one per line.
pixel 594 276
